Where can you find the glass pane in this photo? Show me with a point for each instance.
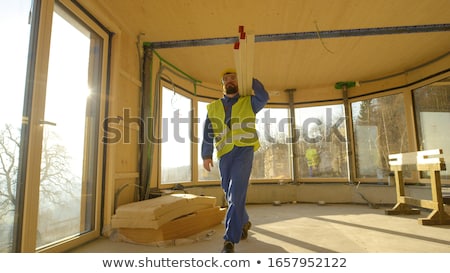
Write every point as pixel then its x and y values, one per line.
pixel 176 138
pixel 322 142
pixel 379 129
pixel 432 111
pixel 273 160
pixel 13 53
pixel 69 149
pixel 204 175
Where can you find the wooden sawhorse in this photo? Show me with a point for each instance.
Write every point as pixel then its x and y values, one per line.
pixel 420 161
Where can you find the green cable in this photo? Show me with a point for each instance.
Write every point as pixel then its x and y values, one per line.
pixel 194 80
pixel 176 68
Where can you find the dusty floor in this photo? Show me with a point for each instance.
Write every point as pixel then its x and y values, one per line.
pixel 303 228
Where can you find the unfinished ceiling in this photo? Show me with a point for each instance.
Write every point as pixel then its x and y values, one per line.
pixel 299 44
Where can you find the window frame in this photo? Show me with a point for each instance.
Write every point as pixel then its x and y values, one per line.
pixel 27 233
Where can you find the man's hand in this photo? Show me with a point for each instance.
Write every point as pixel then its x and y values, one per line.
pixel 207 164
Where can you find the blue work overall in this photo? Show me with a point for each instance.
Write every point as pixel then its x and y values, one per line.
pixel 235 168
pixel 235 161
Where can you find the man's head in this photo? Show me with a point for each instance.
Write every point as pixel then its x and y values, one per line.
pixel 230 82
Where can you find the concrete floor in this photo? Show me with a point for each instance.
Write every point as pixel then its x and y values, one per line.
pixel 307 228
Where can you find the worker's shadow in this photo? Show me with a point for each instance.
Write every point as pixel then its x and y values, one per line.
pixel 211 241
pixel 253 245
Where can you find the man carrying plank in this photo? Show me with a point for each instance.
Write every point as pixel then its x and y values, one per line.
pixel 230 124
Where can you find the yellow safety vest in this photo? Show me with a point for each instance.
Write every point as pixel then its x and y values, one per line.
pixel 242 132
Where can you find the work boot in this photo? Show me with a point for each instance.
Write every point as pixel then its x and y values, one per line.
pixel 245 229
pixel 228 247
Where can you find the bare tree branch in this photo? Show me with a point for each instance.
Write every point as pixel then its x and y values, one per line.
pixel 57 179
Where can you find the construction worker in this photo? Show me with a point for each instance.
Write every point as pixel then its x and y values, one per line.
pixel 312 159
pixel 230 124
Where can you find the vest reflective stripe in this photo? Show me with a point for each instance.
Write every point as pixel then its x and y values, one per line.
pixel 221 135
pixel 242 132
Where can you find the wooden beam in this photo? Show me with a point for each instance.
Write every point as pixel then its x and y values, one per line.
pixel 244 61
pixel 250 61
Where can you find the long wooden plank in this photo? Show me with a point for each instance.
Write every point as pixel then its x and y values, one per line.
pixel 250 62
pixel 244 61
pixel 145 222
pixel 156 207
pixel 242 64
pixel 237 63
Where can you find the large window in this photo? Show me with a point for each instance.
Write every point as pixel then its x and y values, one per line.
pixel 176 138
pixel 273 160
pixel 50 157
pixel 432 113
pixel 318 147
pixel 321 143
pixel 204 175
pixel 70 141
pixel 13 53
pixel 380 129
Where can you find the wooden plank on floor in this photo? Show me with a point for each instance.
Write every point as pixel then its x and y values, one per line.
pixel 144 222
pixel 174 204
pixel 182 227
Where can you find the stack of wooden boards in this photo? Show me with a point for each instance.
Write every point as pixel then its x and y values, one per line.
pixel 244 61
pixel 168 217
